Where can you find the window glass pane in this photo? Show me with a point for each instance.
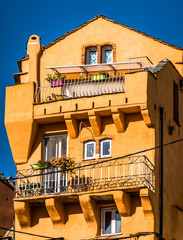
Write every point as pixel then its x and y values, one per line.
pixel 108 56
pixel 108 216
pixel 118 222
pixel 64 145
pixel 92 57
pixel 106 148
pixel 90 150
pixel 50 148
pixel 55 146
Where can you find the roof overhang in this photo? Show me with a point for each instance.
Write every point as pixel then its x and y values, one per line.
pixel 96 68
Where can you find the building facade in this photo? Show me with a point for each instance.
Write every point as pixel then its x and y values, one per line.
pixel 6 207
pixel 105 95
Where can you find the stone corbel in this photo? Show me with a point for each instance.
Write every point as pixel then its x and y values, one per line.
pixel 95 122
pixel 146 116
pixel 90 212
pixel 72 126
pixel 146 204
pixel 119 120
pixel 55 210
pixel 22 210
pixel 123 202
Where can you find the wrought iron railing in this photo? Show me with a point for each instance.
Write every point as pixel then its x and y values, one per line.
pixel 81 87
pixel 135 171
pixel 90 82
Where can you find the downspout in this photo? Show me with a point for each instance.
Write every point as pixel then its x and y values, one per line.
pixel 161 173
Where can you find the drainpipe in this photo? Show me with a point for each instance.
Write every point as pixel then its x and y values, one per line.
pixel 161 173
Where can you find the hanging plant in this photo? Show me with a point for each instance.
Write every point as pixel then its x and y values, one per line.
pixel 64 162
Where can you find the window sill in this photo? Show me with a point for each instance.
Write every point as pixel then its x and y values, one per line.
pixel 109 236
pixel 96 159
pixel 104 157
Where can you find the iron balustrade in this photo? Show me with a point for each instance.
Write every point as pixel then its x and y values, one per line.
pixel 90 82
pixel 135 171
pixel 78 87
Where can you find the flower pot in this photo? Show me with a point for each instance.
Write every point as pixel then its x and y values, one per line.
pixel 56 83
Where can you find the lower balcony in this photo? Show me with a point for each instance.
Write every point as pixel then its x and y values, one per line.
pixel 123 173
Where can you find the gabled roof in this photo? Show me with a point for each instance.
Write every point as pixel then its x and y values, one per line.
pixel 107 19
pixel 104 17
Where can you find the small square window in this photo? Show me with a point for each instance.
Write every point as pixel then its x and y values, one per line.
pixel 105 148
pixel 107 54
pixel 89 150
pixel 91 55
pixel 110 221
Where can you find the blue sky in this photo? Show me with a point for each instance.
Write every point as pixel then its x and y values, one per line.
pixel 50 19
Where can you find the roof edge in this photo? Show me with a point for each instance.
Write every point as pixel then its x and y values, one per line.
pixel 110 20
pixel 107 19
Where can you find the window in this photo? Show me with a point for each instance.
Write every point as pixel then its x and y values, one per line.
pixel 91 55
pixel 54 146
pixel 110 221
pixel 89 150
pixel 107 54
pixel 105 148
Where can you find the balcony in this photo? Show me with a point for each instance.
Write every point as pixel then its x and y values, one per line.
pixel 87 80
pixel 123 173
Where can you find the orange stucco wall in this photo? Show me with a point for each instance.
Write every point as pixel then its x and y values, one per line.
pixel 138 129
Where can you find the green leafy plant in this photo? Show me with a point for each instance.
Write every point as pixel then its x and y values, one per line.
pixel 41 165
pixel 54 77
pixel 64 162
pixel 60 77
pixel 101 75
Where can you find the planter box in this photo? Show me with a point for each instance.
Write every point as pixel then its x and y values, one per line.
pixel 38 167
pixel 57 83
pixel 99 77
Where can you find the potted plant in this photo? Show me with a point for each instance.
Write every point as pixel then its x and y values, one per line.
pixel 55 79
pixel 64 162
pixel 100 76
pixel 41 165
pixel 60 79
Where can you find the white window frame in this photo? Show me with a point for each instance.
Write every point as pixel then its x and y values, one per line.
pixel 57 146
pixel 85 149
pixel 103 52
pixel 54 182
pixel 88 50
pixel 113 221
pixel 101 148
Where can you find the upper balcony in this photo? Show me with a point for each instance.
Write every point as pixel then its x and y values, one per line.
pixel 130 173
pixel 88 80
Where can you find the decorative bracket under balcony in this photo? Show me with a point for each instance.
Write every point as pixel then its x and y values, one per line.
pixel 119 120
pixel 72 126
pixel 22 210
pixel 90 211
pixel 145 115
pixel 123 202
pixel 55 210
pixel 95 121
pixel 146 204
